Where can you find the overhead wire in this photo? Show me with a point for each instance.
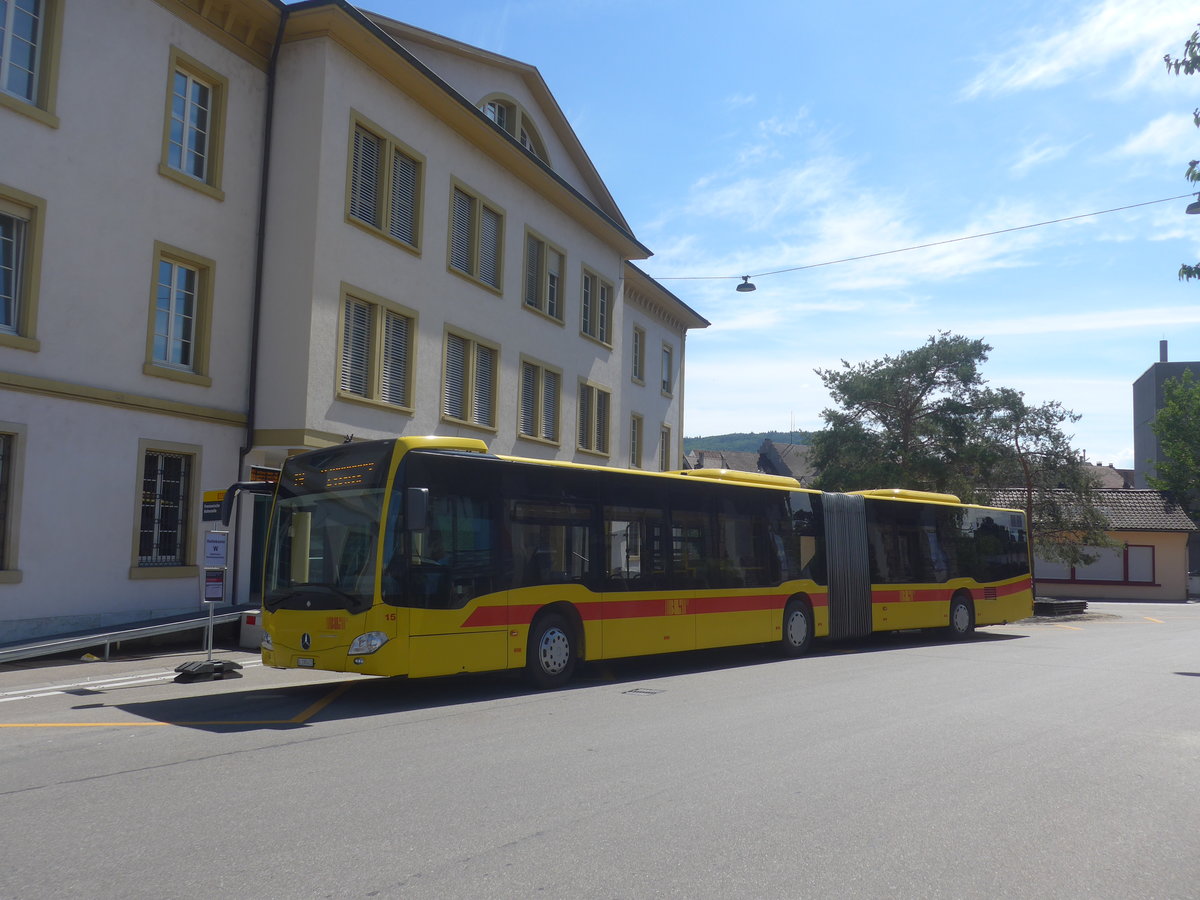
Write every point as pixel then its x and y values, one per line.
pixel 954 240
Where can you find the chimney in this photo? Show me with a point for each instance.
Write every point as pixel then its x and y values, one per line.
pixel 1162 351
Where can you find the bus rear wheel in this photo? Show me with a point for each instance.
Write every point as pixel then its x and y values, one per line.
pixel 962 617
pixel 797 629
pixel 551 655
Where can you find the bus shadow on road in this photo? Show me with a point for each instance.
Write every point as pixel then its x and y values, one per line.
pixel 288 707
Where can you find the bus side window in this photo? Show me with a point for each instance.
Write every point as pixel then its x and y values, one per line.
pixel 744 553
pixel 803 536
pixel 634 552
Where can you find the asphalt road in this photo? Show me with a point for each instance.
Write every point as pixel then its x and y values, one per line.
pixel 1047 759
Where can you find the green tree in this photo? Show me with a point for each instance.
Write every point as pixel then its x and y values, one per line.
pixel 1027 448
pixel 903 419
pixel 926 419
pixel 1188 64
pixel 1177 427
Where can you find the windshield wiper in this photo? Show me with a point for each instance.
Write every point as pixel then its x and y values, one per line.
pixel 314 595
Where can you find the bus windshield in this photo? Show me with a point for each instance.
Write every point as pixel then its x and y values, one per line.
pixel 325 530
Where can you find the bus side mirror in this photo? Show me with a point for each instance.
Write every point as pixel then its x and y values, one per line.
pixel 416 509
pixel 251 487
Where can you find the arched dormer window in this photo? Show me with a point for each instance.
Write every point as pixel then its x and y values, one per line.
pixel 513 118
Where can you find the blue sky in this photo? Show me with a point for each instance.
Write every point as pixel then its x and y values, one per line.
pixel 764 135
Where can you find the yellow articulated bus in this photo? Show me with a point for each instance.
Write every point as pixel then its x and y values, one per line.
pixel 431 556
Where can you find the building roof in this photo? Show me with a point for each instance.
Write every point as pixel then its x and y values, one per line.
pixel 737 460
pixel 1110 476
pixel 1126 509
pixel 787 459
pixel 772 458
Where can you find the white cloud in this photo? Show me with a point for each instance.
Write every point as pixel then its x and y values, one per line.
pixel 1163 138
pixel 736 101
pixel 1136 31
pixel 1077 322
pixel 1036 154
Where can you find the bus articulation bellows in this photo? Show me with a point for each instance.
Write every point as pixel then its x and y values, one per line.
pixel 431 556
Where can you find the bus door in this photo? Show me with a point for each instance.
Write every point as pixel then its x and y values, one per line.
pixel 848 569
pixel 647 608
pixel 456 585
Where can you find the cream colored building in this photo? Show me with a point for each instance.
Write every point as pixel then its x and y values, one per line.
pixel 297 225
pixel 1147 558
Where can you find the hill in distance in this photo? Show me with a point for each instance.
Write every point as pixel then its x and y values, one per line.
pixel 744 441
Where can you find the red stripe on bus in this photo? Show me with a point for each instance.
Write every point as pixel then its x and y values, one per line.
pixel 498 616
pixel 644 608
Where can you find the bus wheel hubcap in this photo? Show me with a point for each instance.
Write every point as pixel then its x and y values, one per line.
pixel 796 629
pixel 554 651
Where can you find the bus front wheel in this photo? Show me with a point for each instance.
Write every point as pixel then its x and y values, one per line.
pixel 962 617
pixel 797 629
pixel 551 656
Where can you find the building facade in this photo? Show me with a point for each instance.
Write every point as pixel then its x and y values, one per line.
pixel 300 225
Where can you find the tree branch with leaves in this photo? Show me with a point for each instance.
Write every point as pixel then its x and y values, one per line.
pixel 1188 64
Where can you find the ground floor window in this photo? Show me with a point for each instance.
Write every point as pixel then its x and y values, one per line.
pixel 1127 564
pixel 6 478
pixel 163 532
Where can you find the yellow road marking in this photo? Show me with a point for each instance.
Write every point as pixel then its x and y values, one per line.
pixel 1068 627
pixel 298 719
pixel 1152 619
pixel 81 724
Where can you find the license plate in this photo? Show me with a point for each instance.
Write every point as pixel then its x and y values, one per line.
pixel 306 661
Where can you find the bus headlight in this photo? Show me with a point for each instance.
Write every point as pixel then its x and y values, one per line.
pixel 266 642
pixel 367 643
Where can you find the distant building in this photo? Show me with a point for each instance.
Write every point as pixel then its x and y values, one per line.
pixel 1149 561
pixel 1147 401
pixel 790 460
pixel 1110 477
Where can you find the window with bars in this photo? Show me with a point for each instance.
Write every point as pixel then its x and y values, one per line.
pixel 594 404
pixel 544 265
pixel 22 30
pixel 595 313
pixel 6 479
pixel 469 381
pixel 376 351
pixel 163 531
pixel 540 392
pixel 476 237
pixel 385 185
pixel 636 429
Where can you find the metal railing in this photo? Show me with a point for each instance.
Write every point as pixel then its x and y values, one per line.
pixel 68 643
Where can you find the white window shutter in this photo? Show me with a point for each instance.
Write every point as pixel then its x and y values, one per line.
pixel 528 423
pixel 356 347
pixel 405 175
pixel 489 247
pixel 454 403
pixel 460 231
pixel 364 177
pixel 483 402
pixel 394 369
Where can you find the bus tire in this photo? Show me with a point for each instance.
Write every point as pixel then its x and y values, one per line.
pixel 797 628
pixel 962 617
pixel 552 652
